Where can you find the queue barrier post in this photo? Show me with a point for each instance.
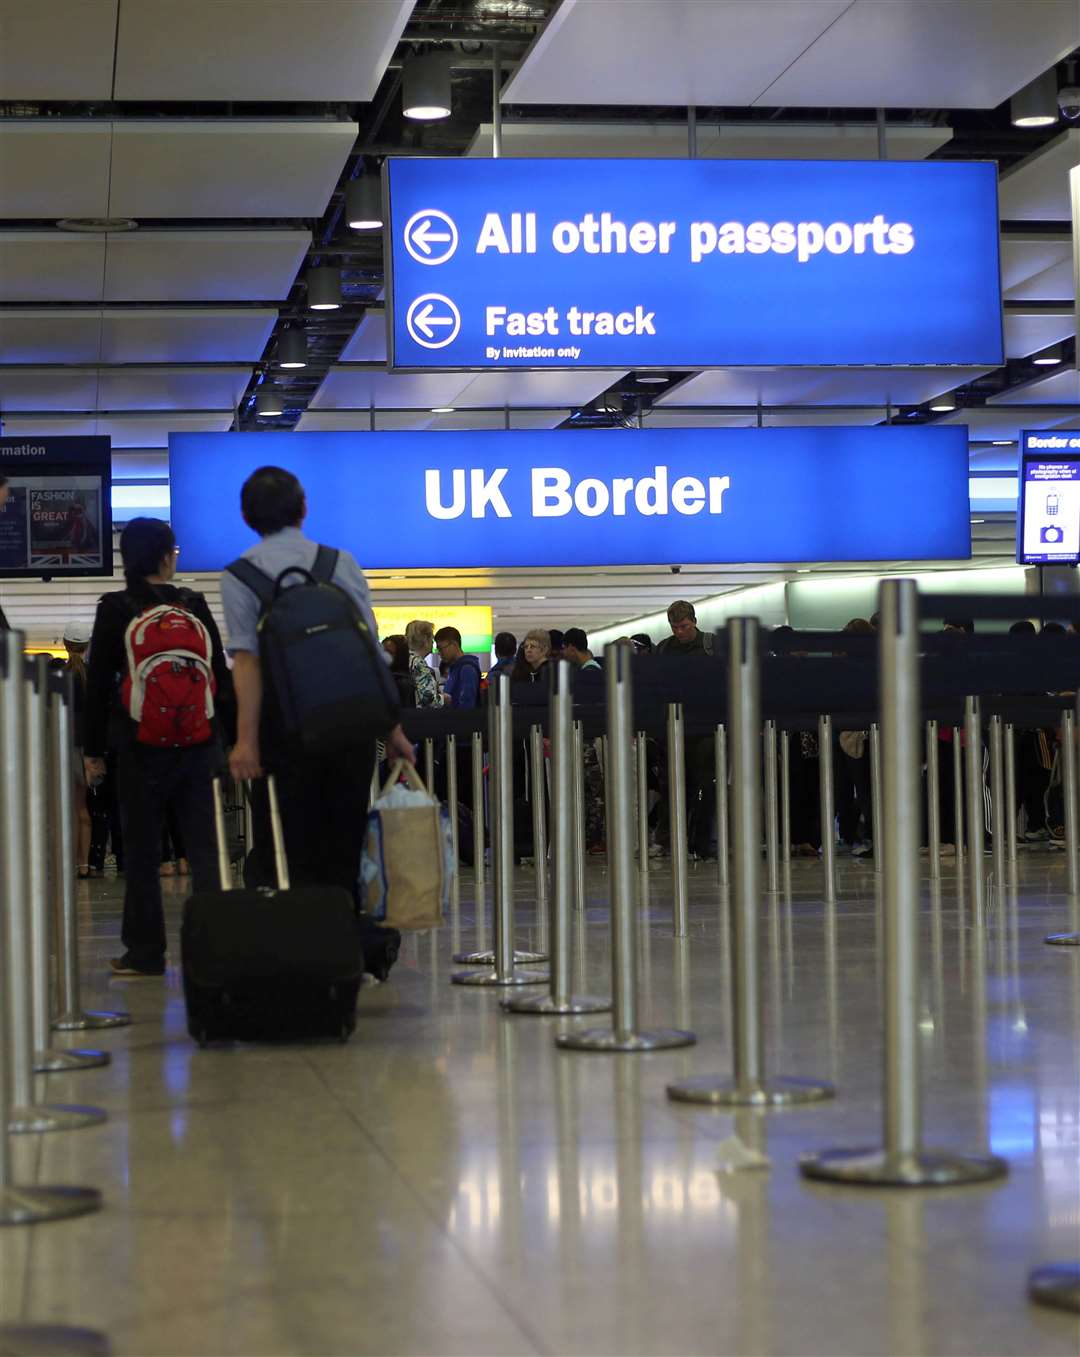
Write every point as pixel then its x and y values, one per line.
pixel 676 754
pixel 452 800
pixel 641 754
pixel 478 817
pixel 1010 795
pixel 876 795
pixel 429 765
pixel 723 847
pixel 538 790
pixel 997 799
pixel 1068 777
pixel 39 836
pixel 1056 1285
pixel 772 814
pixel 901 1161
pixel 748 1087
pixel 560 999
pixel 501 743
pixel 933 801
pixel 72 1017
pixel 785 797
pixel 24 1115
pixel 973 795
pixel 827 790
pixel 624 1035
pixel 578 803
pixel 958 798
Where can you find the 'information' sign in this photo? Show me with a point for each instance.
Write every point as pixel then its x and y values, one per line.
pixel 692 263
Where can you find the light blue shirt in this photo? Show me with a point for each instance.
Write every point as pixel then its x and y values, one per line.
pixel 272 555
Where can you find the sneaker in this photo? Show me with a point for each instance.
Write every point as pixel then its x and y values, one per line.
pixel 862 850
pixel 1036 835
pixel 125 966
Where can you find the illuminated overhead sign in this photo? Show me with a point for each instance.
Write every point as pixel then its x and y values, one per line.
pixel 636 497
pixel 1048 521
pixel 692 263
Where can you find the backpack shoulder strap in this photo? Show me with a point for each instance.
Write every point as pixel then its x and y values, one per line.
pixel 326 559
pixel 260 584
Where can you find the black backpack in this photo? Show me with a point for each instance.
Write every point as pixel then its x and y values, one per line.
pixel 327 688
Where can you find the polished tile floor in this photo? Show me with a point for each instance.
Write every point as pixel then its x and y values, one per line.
pixel 449 1182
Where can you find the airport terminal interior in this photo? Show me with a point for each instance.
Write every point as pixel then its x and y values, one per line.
pixel 708 369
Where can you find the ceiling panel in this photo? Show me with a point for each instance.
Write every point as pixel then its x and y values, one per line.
pixel 368 344
pixel 37 266
pixel 818 386
pixel 54 168
pixel 798 53
pixel 1001 421
pixel 357 388
pixel 227 168
pixel 1061 387
pixel 141 464
pixel 756 141
pixel 318 50
pixel 66 336
pixel 126 430
pixel 189 266
pixel 535 388
pixel 57 49
pixel 337 421
pixel 1038 188
pixel 1036 268
pixel 680 52
pixel 47 390
pixel 172 389
pixel 929 54
pixel 1028 332
pixel 213 335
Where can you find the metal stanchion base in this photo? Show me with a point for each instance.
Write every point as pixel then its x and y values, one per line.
pixel 547 1006
pixel 871 1167
pixel 607 1039
pixel 713 1091
pixel 84 1022
pixel 493 978
pixel 29 1205
pixel 1056 1284
pixel 25 1121
pixel 1063 939
pixel 51 1340
pixel 64 1062
pixel 488 958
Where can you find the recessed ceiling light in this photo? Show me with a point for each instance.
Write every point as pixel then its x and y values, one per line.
pixel 538 598
pixel 98 225
pixel 1003 442
pixel 442 409
pixel 652 377
pixel 1050 358
pixel 943 405
pixel 803 570
pixel 978 520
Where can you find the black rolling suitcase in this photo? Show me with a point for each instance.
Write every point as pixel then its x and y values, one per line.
pixel 270 965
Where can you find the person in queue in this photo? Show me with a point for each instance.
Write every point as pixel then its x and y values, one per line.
pixel 151 781
pixel 323 801
pixel 505 653
pixel 397 648
pixel 462 689
pixel 688 639
pixel 5 495
pixel 76 642
pixel 420 636
pixel 557 640
pixel 576 649
pixel 642 643
pixel 532 663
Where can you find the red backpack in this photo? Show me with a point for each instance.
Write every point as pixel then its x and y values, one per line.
pixel 169 687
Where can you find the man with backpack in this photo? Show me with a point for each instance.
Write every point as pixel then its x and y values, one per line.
pixel 313 687
pixel 157 691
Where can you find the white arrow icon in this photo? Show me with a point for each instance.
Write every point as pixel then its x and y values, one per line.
pixel 427 229
pixel 428 315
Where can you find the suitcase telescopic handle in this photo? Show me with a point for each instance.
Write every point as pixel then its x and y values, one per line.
pixel 224 872
pixel 281 865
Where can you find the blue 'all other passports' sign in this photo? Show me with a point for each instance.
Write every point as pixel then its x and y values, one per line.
pixel 692 263
pixel 594 497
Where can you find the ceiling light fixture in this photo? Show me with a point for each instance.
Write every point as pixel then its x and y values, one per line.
pixel 292 349
pixel 539 598
pixel 363 203
pixel 268 404
pixel 652 377
pixel 425 87
pixel 1002 442
pixel 943 405
pixel 324 289
pixel 1050 358
pixel 1036 105
pixel 442 409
